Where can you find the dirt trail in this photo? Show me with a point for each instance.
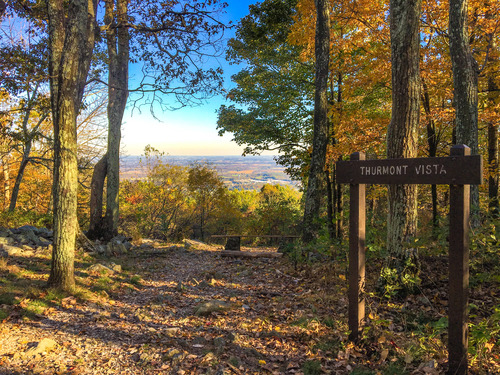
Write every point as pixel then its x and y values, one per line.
pixel 177 311
pixel 257 320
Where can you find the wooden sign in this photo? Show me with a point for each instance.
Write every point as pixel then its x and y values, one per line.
pixel 459 170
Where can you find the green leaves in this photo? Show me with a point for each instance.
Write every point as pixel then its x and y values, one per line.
pixel 273 95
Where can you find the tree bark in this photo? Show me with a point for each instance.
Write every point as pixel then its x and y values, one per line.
pixel 465 94
pixel 402 131
pixel 71 44
pixel 330 211
pixel 493 154
pixel 96 225
pixel 6 179
pixel 316 181
pixel 117 37
pixel 3 6
pixel 17 183
pixel 432 146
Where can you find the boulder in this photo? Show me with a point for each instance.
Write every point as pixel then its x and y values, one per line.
pixel 26 228
pixel 209 307
pixel 27 236
pixel 100 269
pixel 44 242
pixel 147 243
pixel 115 267
pixel 9 250
pixel 45 233
pixel 6 240
pixel 101 249
pixel 120 244
pixel 44 346
pixel 196 245
pixel 116 248
pixel 5 232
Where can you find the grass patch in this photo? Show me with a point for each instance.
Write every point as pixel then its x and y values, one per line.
pixel 3 314
pixel 103 283
pixel 304 322
pixel 136 280
pixel 312 367
pixel 329 346
pixel 362 371
pixel 8 298
pixel 34 308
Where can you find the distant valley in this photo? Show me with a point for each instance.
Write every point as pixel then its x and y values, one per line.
pixel 238 172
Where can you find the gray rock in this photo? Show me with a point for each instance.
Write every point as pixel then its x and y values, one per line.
pixel 209 307
pixel 120 239
pixel 101 249
pixel 146 242
pixel 116 248
pixel 171 331
pixel 100 269
pixel 28 236
pixel 5 232
pixel 197 245
pixel 175 355
pixel 115 267
pixel 6 240
pixel 12 250
pixel 44 346
pixel 44 232
pixel 43 241
pixel 219 344
pixel 25 228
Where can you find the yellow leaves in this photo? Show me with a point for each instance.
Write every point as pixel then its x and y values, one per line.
pixel 68 302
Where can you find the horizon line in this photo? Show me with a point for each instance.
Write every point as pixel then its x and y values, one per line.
pixel 204 156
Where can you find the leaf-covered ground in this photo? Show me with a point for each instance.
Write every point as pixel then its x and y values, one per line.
pixel 174 311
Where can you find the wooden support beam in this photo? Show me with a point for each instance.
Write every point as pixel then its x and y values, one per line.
pixel 458 272
pixel 357 255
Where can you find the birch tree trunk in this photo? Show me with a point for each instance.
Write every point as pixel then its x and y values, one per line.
pixel 402 132
pixel 465 94
pixel 317 177
pixel 117 37
pixel 71 44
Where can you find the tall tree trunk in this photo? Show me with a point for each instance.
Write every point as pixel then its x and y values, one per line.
pixel 96 226
pixel 71 44
pixel 117 37
pixel 432 146
pixel 316 181
pixel 330 195
pixel 465 94
pixel 493 154
pixel 402 131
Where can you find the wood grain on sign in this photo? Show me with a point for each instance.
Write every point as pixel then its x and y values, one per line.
pixel 456 170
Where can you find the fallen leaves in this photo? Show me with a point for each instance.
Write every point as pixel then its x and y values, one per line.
pixel 261 316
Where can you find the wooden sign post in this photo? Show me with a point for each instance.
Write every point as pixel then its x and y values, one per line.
pixel 459 170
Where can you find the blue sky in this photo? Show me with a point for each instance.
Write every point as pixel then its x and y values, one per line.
pixel 190 130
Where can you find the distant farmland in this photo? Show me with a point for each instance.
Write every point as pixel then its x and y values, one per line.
pixel 238 172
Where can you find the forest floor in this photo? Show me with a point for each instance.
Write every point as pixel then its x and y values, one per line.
pixel 175 311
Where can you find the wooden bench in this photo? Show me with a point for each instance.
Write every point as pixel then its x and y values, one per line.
pixel 233 241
